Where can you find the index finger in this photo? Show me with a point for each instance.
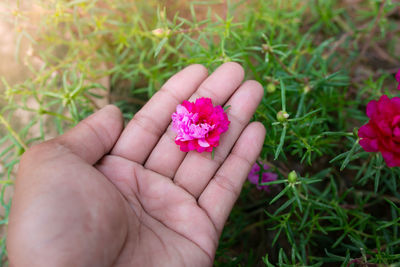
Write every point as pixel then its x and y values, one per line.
pixel 144 130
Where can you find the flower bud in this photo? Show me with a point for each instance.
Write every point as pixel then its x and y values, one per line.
pixel 282 116
pixel 355 132
pixel 306 89
pixel 292 177
pixel 20 151
pixel 160 32
pixel 271 88
pixel 265 48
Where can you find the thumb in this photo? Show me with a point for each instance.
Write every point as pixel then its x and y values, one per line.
pixel 95 136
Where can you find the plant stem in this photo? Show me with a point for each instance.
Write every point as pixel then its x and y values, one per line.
pixel 289 71
pixel 12 132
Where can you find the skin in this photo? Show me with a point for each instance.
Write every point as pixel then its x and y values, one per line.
pixel 102 195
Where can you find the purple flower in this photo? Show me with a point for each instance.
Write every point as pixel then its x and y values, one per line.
pixel 398 79
pixel 266 177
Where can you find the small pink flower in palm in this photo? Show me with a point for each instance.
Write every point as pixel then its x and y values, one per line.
pixel 199 125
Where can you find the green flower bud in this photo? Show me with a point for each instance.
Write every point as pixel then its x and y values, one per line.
pixel 292 177
pixel 306 89
pixel 271 88
pixel 355 132
pixel 161 32
pixel 41 111
pixel 20 151
pixel 265 48
pixel 282 116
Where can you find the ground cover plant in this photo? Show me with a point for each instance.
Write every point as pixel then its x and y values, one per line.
pixel 326 202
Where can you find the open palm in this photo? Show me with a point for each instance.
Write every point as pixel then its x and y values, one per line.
pixel 101 195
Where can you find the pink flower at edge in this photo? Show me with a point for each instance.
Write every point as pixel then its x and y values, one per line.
pixel 254 176
pixel 199 125
pixel 398 79
pixel 382 132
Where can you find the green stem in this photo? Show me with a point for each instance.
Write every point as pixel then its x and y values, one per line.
pixel 12 132
pixel 289 71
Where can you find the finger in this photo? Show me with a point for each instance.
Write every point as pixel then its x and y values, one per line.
pixel 221 193
pixel 95 136
pixel 144 130
pixel 219 86
pixel 197 169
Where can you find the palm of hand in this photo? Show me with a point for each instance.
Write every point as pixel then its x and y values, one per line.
pixel 144 203
pixel 165 221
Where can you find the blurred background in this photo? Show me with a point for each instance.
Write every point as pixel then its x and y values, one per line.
pixel 319 60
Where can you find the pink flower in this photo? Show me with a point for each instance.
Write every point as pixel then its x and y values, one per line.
pixel 398 79
pixel 382 132
pixel 254 176
pixel 199 125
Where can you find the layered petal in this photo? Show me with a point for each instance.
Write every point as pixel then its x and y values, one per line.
pixel 199 125
pixel 382 132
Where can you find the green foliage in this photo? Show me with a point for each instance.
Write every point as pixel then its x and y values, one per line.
pixel 317 62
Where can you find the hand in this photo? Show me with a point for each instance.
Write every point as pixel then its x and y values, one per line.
pixel 101 195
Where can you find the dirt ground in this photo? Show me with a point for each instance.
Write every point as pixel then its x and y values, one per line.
pixel 14 71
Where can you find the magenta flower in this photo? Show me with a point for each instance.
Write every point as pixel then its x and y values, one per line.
pixel 382 132
pixel 398 79
pixel 199 125
pixel 254 176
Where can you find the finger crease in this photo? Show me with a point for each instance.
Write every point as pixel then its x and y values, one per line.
pixel 236 118
pixel 171 95
pixel 240 157
pixel 101 140
pixel 208 92
pixel 223 182
pixel 145 123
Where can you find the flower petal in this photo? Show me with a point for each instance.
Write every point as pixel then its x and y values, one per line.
pixel 389 158
pixel 382 132
pixel 203 143
pixel 371 108
pixel 367 131
pixel 199 125
pixel 369 145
